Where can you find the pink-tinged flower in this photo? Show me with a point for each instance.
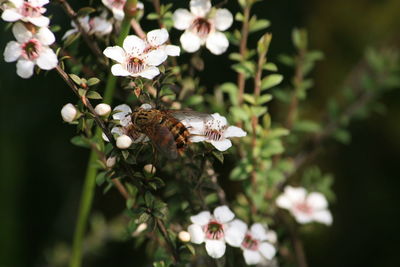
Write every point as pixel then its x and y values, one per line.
pixel 305 207
pixel 156 40
pixel 256 243
pixel 117 7
pixel 98 26
pixel 27 11
pixel 202 26
pixel 125 128
pixel 215 131
pixel 31 49
pixel 133 59
pixel 214 230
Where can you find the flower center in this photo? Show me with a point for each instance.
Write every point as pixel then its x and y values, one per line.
pixel 303 207
pixel 117 3
pixel 134 65
pixel 214 130
pixel 201 27
pixel 250 243
pixel 27 10
pixel 214 230
pixel 31 49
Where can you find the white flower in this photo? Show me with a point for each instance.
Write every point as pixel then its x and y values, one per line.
pixel 203 26
pixel 98 26
pixel 255 244
pixel 102 109
pixel 184 236
pixel 117 7
pixel 27 11
pixel 156 40
pixel 125 126
pixel 214 229
pixel 31 49
pixel 134 60
pixel 305 207
pixel 215 131
pixel 69 112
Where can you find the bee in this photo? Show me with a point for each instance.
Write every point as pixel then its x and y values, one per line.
pixel 165 128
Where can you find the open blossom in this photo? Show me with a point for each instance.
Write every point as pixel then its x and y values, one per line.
pixel 256 243
pixel 215 230
pixel 125 125
pixel 98 26
pixel 134 59
pixel 27 11
pixel 156 40
pixel 215 131
pixel 202 26
pixel 117 7
pixel 31 48
pixel 305 207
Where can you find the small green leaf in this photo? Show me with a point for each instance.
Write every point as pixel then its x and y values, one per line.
pixel 93 95
pixel 219 156
pixel 270 66
pixel 101 178
pixel 259 25
pixel 144 217
pixel 93 81
pixel 75 78
pixel 271 81
pixel 80 141
pixel 84 11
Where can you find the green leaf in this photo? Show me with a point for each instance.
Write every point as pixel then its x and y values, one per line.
pixel 249 98
pixel 93 81
pixel 342 136
pixel 93 95
pixel 152 16
pixel 80 141
pixel 239 16
pixel 149 199
pixel 264 99
pixel 75 78
pixel 84 11
pixel 219 156
pixel 144 217
pixel 307 126
pixel 270 66
pixel 231 89
pixel 101 178
pixel 190 248
pixel 247 68
pixel 194 100
pixel 259 25
pixel 271 81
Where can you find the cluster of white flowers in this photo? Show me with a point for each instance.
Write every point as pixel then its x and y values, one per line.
pixel 117 7
pixel 33 36
pixel 138 57
pixel 98 26
pixel 305 207
pixel 203 25
pixel 219 228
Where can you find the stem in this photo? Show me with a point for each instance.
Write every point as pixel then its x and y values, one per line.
pixel 91 172
pixel 164 233
pixel 243 49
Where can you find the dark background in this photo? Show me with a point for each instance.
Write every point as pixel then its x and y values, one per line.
pixel 42 173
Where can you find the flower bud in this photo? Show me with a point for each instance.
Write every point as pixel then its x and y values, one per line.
pixel 102 109
pixel 69 112
pixel 141 227
pixel 146 106
pixel 124 142
pixel 176 105
pixel 184 236
pixel 149 168
pixel 110 162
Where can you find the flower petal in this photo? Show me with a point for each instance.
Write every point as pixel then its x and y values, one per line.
pixel 16 3
pixel 118 13
pixel 155 57
pixel 200 7
pixel 267 250
pixel 190 42
pixel 21 33
pixel 122 109
pixel 173 50
pixel 222 145
pixel 118 70
pixel 68 33
pixel 302 217
pixel 323 216
pixel 251 257
pixel 197 235
pixel 41 21
pixel 223 19
pixel 197 138
pixel 11 15
pixel 217 43
pixel 317 201
pixel 295 194
pixel 12 51
pixel 182 19
pixel 25 68
pixel 233 131
pixel 133 45
pixel 215 248
pixel 45 36
pixel 235 233
pixel 283 202
pixel 116 131
pixel 115 53
pixel 223 214
pixel 258 231
pixel 202 218
pixel 149 72
pixel 47 59
pixel 157 37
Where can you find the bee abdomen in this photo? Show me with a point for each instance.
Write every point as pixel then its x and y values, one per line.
pixel 179 132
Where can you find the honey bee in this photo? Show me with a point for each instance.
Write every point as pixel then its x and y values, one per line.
pixel 165 129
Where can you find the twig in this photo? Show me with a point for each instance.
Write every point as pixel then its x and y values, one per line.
pixel 241 80
pixel 156 4
pixel 88 40
pixel 161 227
pixel 138 29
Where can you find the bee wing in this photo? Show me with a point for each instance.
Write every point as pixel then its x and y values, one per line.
pixel 163 140
pixel 190 116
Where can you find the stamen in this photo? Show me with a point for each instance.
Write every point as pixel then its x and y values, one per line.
pixel 201 26
pixel 214 230
pixel 250 243
pixel 134 65
pixel 304 208
pixel 27 10
pixel 31 49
